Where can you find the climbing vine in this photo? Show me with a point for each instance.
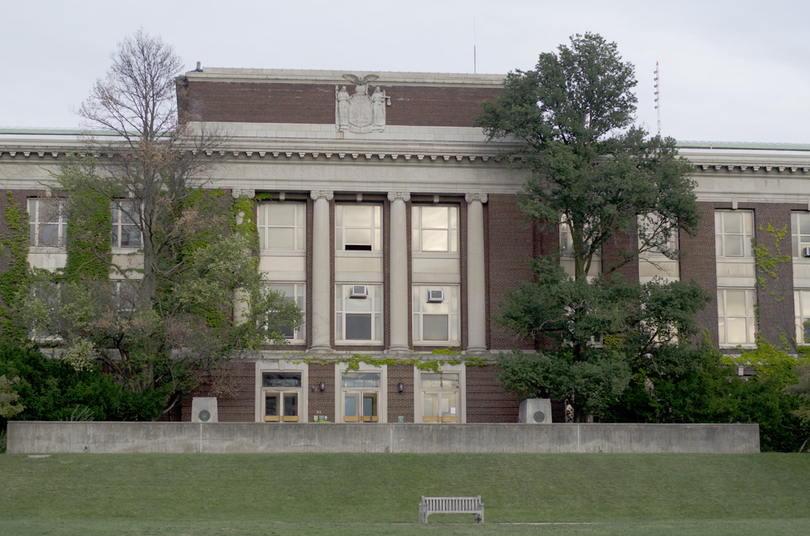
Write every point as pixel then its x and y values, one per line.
pixel 419 361
pixel 767 263
pixel 15 276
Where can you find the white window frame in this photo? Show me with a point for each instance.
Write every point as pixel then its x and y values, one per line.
pixel 300 299
pixel 419 395
pixel 749 317
pixel 801 305
pixel 799 239
pixel 722 236
pixel 118 226
pixel 281 367
pixel 344 228
pixel 371 305
pixel 381 393
pixel 298 225
pixel 450 308
pixel 449 226
pixel 37 208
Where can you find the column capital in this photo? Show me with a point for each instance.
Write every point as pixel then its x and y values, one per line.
pixel 475 197
pixel 236 193
pixel 405 196
pixel 317 194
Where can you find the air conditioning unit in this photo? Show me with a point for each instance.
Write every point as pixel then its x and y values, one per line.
pixel 359 291
pixel 204 409
pixel 535 411
pixel 806 252
pixel 435 296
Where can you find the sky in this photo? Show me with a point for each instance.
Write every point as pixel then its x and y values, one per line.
pixel 731 70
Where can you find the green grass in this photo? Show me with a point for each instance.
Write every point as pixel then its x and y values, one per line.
pixel 287 494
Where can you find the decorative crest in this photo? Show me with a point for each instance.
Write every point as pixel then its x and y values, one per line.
pixel 360 113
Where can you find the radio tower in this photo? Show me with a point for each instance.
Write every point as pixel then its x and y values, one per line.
pixel 658 95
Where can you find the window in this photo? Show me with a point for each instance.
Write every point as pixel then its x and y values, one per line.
pixel 436 314
pixel 47 222
pixel 358 227
pixel 281 392
pixel 297 293
pixel 282 226
pixel 125 232
pixel 361 395
pixel 801 303
pixel 358 315
pixel 127 296
pixel 733 231
pixel 735 316
pixel 800 233
pixel 440 396
pixel 434 229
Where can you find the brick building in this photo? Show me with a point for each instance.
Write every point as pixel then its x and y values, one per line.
pixel 391 221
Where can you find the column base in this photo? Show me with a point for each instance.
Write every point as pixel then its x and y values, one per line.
pixel 398 350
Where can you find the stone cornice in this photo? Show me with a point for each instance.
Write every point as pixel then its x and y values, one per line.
pixel 298 76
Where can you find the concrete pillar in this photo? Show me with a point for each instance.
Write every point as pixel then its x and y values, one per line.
pixel 241 299
pixel 399 300
pixel 321 273
pixel 476 280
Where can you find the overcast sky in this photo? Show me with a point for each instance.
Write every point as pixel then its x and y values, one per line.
pixel 731 70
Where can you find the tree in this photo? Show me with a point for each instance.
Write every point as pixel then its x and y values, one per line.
pixel 196 299
pixel 590 170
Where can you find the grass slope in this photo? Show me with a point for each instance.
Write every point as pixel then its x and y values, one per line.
pixel 379 493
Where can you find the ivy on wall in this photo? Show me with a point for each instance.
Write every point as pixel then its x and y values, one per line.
pixel 14 278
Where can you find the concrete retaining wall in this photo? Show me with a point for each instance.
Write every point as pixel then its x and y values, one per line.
pixel 27 437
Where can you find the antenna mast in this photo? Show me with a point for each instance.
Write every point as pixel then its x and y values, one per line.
pixel 475 55
pixel 658 95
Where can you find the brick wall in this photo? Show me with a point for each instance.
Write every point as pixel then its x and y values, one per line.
pixel 323 402
pixel 400 404
pixel 486 400
pixel 315 103
pixel 776 312
pixel 238 405
pixel 624 243
pixel 700 264
pixel 510 241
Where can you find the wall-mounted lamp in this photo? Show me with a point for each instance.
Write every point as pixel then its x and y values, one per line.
pixel 401 387
pixel 322 386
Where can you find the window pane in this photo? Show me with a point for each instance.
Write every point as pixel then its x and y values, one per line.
pixel 290 405
pixel 358 236
pixel 434 217
pixel 732 223
pixel 735 303
pixel 350 408
pixel 280 214
pixel 434 240
pixel 280 238
pixel 435 327
pixel 358 327
pixel 804 223
pixel 271 405
pixel 48 235
pixel 369 405
pixel 358 215
pixel 737 330
pixel 734 246
pixel 130 237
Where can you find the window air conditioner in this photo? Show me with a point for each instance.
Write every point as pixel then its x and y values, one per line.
pixel 806 252
pixel 435 296
pixel 359 291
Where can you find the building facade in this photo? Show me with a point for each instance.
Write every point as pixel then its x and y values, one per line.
pixel 391 221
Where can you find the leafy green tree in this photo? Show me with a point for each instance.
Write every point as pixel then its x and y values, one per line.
pixel 588 168
pixel 187 296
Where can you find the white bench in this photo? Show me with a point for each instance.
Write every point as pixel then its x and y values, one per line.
pixel 451 505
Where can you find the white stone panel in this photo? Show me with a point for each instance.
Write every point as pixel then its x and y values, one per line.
pixel 283 267
pixel 359 264
pixel 47 260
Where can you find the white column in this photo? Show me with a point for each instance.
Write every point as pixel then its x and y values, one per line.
pixel 476 283
pixel 321 274
pixel 398 285
pixel 241 299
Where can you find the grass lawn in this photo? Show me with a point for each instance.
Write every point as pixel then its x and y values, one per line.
pixel 285 494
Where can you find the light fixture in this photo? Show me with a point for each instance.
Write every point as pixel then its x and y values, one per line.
pixel 401 387
pixel 322 386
